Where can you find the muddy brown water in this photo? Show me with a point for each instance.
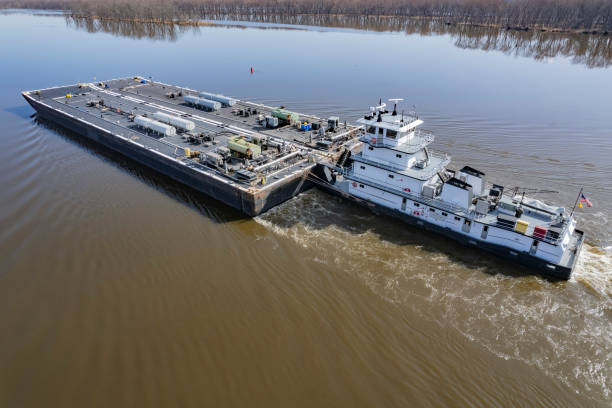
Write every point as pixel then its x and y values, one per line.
pixel 119 287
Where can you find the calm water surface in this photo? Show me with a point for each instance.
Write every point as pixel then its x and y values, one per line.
pixel 118 287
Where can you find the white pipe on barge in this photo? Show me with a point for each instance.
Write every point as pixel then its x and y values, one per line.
pixel 154 125
pixel 282 159
pixel 202 102
pixel 174 120
pixel 225 100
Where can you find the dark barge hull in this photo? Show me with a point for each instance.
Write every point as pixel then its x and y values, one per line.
pixel 555 272
pixel 250 203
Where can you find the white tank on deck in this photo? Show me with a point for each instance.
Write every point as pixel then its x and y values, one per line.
pixel 154 125
pixel 204 103
pixel 174 120
pixel 225 100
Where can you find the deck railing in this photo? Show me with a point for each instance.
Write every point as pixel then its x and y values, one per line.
pixel 455 209
pixel 419 140
pixel 444 160
pixel 451 208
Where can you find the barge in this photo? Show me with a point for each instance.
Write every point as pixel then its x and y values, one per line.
pixel 249 156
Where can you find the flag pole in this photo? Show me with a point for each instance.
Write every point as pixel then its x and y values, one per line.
pixel 577 198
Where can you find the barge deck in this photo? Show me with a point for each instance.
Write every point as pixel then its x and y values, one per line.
pixel 202 157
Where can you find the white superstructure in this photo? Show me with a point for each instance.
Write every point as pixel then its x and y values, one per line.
pixel 398 172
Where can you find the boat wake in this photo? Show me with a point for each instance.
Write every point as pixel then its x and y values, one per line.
pixel 555 326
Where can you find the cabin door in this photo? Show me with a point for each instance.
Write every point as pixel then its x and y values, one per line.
pixel 534 247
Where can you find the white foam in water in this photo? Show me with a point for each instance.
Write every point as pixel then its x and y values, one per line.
pixel 563 328
pixel 594 269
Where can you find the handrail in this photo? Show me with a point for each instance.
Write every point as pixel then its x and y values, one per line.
pixel 454 209
pixel 425 174
pixel 423 137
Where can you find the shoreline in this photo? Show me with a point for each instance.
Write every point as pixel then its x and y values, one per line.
pixel 204 23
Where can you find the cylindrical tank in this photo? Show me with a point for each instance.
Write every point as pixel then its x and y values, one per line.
pixel 238 144
pixel 286 116
pixel 174 120
pixel 154 125
pixel 225 100
pixel 204 103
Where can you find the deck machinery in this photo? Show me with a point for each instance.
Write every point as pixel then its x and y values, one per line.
pixel 226 148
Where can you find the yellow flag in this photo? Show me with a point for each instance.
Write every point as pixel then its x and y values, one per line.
pixel 580 205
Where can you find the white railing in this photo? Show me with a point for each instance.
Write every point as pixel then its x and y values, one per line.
pixel 455 209
pixel 451 208
pixel 419 140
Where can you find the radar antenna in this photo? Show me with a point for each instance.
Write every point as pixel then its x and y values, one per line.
pixel 395 101
pixel 381 106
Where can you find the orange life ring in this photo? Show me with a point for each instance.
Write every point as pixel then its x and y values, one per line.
pixel 354 184
pixel 373 140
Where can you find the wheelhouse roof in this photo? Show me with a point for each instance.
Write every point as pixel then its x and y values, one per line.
pixel 389 121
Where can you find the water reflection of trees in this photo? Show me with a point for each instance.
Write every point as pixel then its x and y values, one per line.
pixel 131 29
pixel 590 50
pixel 594 51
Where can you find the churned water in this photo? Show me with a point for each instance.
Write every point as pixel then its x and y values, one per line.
pixel 119 287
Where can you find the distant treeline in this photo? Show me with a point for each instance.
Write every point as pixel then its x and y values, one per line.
pixel 590 50
pixel 566 15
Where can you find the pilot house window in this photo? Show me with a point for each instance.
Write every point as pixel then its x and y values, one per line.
pixel 372 129
pixel 392 134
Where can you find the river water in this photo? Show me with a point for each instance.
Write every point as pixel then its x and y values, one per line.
pixel 119 287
